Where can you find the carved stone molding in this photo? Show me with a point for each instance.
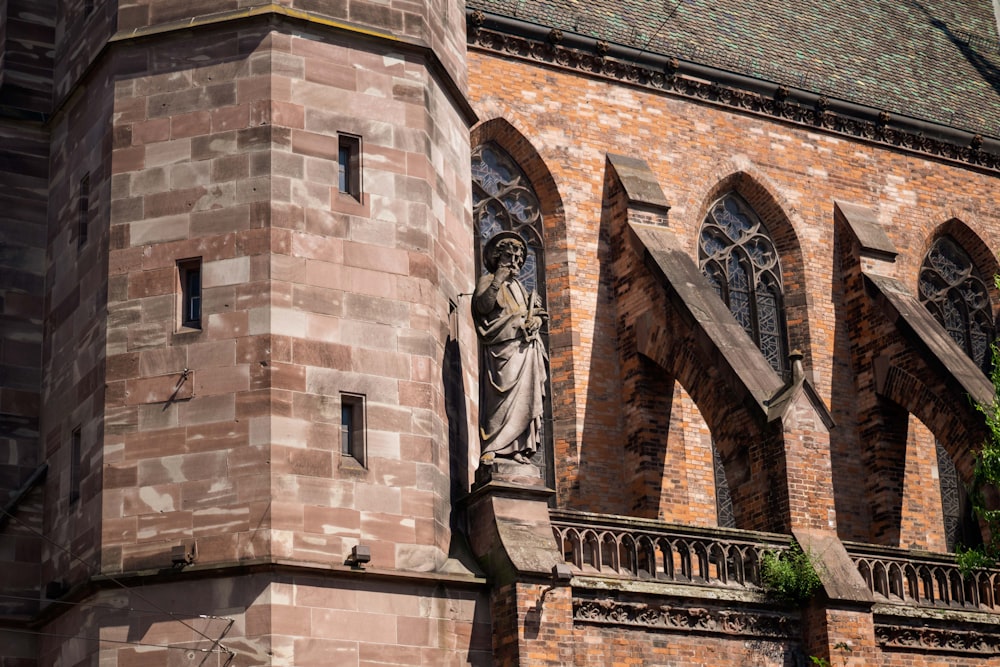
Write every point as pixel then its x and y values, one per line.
pixel 668 80
pixel 938 639
pixel 752 623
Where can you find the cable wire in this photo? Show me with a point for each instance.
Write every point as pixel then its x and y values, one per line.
pixel 111 578
pixel 660 27
pixel 220 650
pixel 111 607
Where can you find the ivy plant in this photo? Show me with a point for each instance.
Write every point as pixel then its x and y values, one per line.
pixel 986 474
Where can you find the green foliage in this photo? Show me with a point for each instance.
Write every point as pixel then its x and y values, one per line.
pixel 819 662
pixel 986 474
pixel 972 559
pixel 789 575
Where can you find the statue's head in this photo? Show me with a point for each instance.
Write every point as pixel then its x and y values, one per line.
pixel 504 249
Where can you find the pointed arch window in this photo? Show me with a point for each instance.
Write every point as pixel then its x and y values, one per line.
pixel 739 259
pixel 954 292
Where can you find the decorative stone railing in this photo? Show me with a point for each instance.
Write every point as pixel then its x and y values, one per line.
pixel 925 579
pixel 625 547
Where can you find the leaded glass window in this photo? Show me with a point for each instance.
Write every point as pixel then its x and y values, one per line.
pixel 954 292
pixel 503 200
pixel 960 524
pixel 725 515
pixel 739 259
pixel 951 500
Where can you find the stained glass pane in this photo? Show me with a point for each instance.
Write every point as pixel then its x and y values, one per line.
pixel 950 506
pixel 769 325
pixel 716 277
pixel 740 260
pixel 980 339
pixel 954 319
pixel 725 516
pixel 732 219
pixel 739 294
pixel 955 294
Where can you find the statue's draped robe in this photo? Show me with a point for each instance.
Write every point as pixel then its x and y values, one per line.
pixel 512 383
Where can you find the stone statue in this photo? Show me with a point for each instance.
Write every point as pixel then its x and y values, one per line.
pixel 512 384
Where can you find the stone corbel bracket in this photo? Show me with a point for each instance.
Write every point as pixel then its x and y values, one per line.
pixel 509 527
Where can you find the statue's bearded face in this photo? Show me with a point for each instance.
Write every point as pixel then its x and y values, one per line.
pixel 509 253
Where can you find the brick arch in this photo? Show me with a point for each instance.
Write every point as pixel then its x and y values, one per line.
pixel 504 134
pixel 771 208
pixel 949 418
pixel 751 449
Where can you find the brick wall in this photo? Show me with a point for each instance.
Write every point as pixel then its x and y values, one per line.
pixel 791 175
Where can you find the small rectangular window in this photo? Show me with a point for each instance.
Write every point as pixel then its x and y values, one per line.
pixel 74 466
pixel 83 211
pixel 349 165
pixel 352 427
pixel 189 274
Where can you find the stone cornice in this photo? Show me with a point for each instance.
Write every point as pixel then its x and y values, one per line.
pixel 678 617
pixel 984 640
pixel 277 16
pixel 598 58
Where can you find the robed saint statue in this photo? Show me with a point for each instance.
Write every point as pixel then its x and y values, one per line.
pixel 512 383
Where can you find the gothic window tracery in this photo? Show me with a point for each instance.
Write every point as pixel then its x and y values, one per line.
pixel 503 200
pixel 739 259
pixel 954 292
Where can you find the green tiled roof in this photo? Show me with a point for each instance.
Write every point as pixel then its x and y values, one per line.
pixel 936 60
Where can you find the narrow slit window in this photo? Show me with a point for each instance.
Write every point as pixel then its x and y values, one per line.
pixel 83 211
pixel 349 165
pixel 189 273
pixel 74 466
pixel 88 7
pixel 352 427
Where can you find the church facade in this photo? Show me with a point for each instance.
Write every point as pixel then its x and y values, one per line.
pixel 495 333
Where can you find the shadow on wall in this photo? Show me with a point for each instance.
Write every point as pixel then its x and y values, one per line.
pixel 850 498
pixel 988 70
pixel 458 431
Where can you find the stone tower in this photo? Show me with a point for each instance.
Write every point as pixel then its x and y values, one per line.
pixel 257 235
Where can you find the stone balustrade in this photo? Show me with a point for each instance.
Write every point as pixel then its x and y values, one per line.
pixel 924 579
pixel 606 545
